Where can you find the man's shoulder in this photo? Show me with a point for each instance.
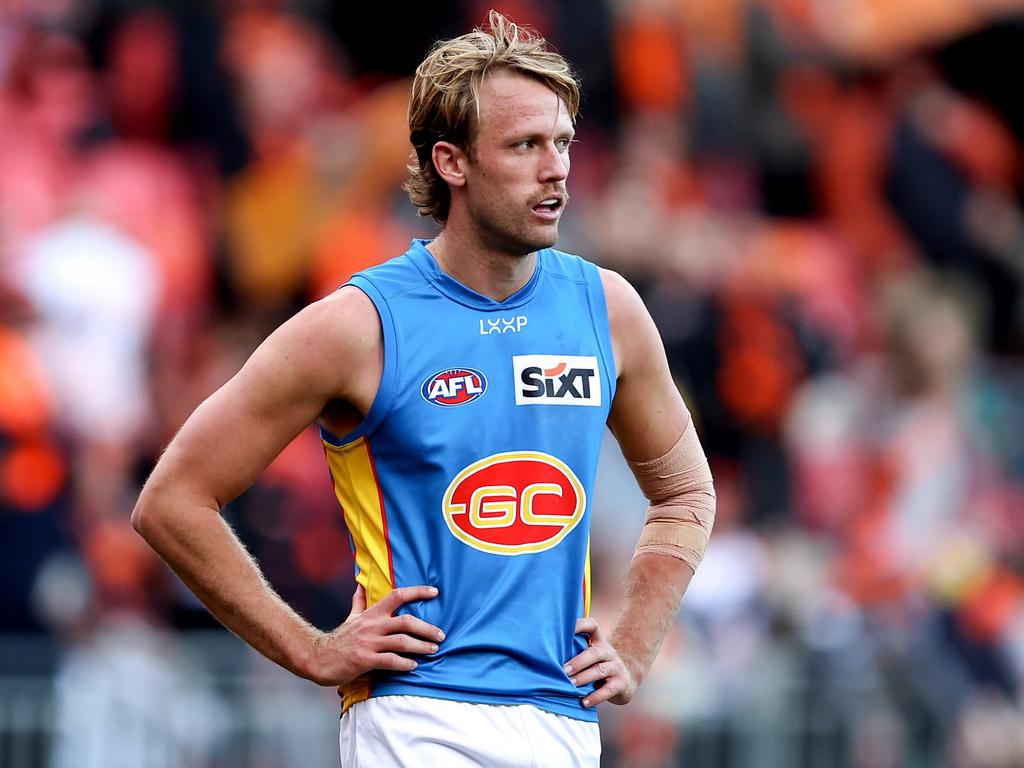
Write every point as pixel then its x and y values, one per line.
pixel 569 265
pixel 396 270
pixel 392 276
pixel 627 315
pixel 618 290
pixel 623 303
pixel 344 318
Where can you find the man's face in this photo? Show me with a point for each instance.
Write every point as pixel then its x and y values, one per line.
pixel 515 183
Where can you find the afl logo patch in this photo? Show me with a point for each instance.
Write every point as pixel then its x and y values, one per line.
pixel 454 386
pixel 514 503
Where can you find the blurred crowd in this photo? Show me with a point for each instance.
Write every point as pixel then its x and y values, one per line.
pixel 820 203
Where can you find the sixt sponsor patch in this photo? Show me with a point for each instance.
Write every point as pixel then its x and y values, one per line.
pixel 454 386
pixel 556 380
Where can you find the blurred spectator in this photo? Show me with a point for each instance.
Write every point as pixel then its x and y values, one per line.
pixel 93 290
pixel 275 206
pixel 125 699
pixel 33 481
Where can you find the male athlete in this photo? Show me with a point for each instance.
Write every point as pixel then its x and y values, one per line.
pixel 462 390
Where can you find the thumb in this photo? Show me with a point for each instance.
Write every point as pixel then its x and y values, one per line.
pixel 358 601
pixel 586 625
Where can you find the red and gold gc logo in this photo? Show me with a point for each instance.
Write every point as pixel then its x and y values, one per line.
pixel 514 503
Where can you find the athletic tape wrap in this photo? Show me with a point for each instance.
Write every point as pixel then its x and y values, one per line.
pixel 682 497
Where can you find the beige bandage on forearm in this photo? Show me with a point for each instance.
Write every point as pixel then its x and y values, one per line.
pixel 682 497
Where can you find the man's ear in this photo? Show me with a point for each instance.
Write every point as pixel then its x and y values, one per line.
pixel 450 162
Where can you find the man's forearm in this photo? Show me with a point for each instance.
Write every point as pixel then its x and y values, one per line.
pixel 654 590
pixel 200 547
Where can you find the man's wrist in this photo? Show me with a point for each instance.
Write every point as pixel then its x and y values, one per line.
pixel 637 670
pixel 635 666
pixel 304 654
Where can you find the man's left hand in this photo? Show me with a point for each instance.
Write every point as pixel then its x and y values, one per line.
pixel 600 663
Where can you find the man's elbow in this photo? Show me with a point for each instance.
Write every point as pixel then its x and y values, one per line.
pixel 150 514
pixel 168 506
pixel 143 514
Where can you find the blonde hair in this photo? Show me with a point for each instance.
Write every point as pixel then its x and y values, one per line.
pixel 445 100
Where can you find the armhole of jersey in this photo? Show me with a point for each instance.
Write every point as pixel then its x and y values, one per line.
pixel 385 397
pixel 599 316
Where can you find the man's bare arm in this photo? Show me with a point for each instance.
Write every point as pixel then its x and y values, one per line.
pixel 647 418
pixel 332 350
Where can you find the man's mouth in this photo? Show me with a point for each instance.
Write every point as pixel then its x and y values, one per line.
pixel 550 208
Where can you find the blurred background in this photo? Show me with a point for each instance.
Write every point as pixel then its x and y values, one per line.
pixel 820 201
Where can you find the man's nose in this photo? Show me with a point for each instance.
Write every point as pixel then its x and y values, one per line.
pixel 555 165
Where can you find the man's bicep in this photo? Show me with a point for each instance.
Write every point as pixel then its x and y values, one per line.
pixel 654 431
pixel 232 437
pixel 648 414
pixel 235 434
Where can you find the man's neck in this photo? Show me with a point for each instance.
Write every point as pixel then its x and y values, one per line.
pixel 486 270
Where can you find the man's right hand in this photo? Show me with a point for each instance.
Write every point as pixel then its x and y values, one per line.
pixel 373 638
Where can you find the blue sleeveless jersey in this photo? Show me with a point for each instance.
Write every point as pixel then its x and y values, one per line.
pixel 473 472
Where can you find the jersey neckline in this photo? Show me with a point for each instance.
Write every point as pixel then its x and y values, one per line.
pixel 452 288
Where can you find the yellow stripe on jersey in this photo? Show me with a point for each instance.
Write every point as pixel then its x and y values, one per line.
pixel 354 692
pixel 362 504
pixel 586 581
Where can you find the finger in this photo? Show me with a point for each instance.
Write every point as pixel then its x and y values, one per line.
pixel 394 662
pixel 399 597
pixel 410 625
pixel 406 644
pixel 358 601
pixel 589 657
pixel 602 670
pixel 604 692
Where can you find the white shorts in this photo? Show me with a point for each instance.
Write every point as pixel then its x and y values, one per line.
pixel 410 731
